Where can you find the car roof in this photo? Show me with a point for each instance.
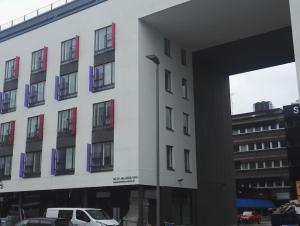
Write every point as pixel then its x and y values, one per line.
pixel 68 208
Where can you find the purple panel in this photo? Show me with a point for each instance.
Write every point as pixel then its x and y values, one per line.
pixel 88 157
pixel 1 102
pixel 26 96
pixel 56 88
pixel 53 159
pixel 91 72
pixel 22 165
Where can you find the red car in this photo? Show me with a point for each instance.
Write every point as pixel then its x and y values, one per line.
pixel 250 217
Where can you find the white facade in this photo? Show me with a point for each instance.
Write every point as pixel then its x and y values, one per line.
pixel 134 93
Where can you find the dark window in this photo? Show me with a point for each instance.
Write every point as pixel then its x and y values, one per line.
pixel 170 157
pixel 65 160
pixel 252 165
pixel 184 88
pixel 260 164
pixel 187 164
pixel 266 127
pixel 103 39
pixel 37 94
pixel 273 125
pixel 68 86
pixel 278 182
pixel 276 163
pixel 169 120
pixel 185 123
pixel 270 183
pixel 9 101
pixel 33 164
pixel 167 46
pixel 67 214
pixel 80 215
pixel 37 63
pixel 101 115
pixel 274 144
pixel 32 127
pixel 285 162
pixel 65 121
pixel 168 81
pixel 281 124
pixel 236 148
pixel 242 130
pixel 251 147
pixel 237 165
pixel 102 156
pixel 10 67
pixel 287 183
pixel 5 133
pixel 283 144
pixel 268 164
pixel 262 183
pixel 5 166
pixel 258 146
pixel 267 145
pixel 183 57
pixel 68 51
pixel 104 76
pixel 257 129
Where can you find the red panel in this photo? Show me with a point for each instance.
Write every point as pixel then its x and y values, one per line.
pixel 17 67
pixel 40 131
pixel 113 27
pixel 76 47
pixel 45 57
pixel 74 117
pixel 112 114
pixel 12 132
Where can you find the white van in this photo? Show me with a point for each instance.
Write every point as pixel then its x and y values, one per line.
pixel 82 216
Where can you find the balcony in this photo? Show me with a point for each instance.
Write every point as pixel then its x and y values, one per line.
pixel 262 173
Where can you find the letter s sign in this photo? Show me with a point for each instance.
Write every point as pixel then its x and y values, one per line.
pixel 296 109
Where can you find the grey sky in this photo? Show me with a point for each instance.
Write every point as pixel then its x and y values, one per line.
pixel 278 84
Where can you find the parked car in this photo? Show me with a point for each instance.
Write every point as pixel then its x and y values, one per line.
pixel 250 216
pixel 44 222
pixel 83 216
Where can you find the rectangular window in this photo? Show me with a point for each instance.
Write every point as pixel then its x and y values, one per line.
pixel 265 127
pixel 243 147
pixel 168 81
pixel 251 147
pixel 102 156
pixel 10 67
pixel 33 164
pixel 68 51
pixel 187 160
pixel 276 163
pixel 37 62
pixel 281 125
pixel 274 144
pixel 5 166
pixel 102 115
pixel 9 101
pixel 260 165
pixel 250 130
pixel 186 124
pixel 103 39
pixel 257 128
pixel 244 166
pixel 270 183
pixel 258 146
pixel 32 127
pixel 65 121
pixel 5 133
pixel 104 76
pixel 252 165
pixel 169 120
pixel 167 46
pixel 268 164
pixel 235 131
pixel 183 57
pixel 65 160
pixel 68 86
pixel 267 145
pixel 283 143
pixel 236 148
pixel 37 94
pixel 284 162
pixel 170 158
pixel 184 88
pixel 242 130
pixel 273 125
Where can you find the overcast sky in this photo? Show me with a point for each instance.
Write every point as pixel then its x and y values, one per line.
pixel 277 84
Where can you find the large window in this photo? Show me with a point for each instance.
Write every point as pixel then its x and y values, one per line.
pixel 187 161
pixel 101 115
pixel 9 101
pixel 169 120
pixel 37 63
pixel 102 156
pixel 186 124
pixel 68 86
pixel 32 127
pixel 33 164
pixel 5 166
pixel 103 39
pixel 168 81
pixel 65 160
pixel 10 67
pixel 37 94
pixel 170 165
pixel 65 121
pixel 68 51
pixel 104 76
pixel 5 133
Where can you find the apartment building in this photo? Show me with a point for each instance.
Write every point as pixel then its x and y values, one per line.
pixel 78 114
pixel 261 154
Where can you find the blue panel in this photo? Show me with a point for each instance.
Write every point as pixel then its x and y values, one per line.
pixel 53 159
pixel 88 157
pixel 26 96
pixel 22 165
pixel 254 203
pixel 91 78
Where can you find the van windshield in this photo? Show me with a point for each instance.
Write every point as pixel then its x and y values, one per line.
pixel 98 214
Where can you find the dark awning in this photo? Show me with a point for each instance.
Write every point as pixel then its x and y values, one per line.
pixel 254 203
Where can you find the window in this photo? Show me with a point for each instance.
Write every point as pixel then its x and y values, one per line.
pixel 243 147
pixel 68 85
pixel 65 160
pixel 10 67
pixel 104 76
pixel 9 101
pixel 276 163
pixel 5 166
pixel 267 145
pixel 250 130
pixel 273 126
pixel 244 166
pixel 184 88
pixel 260 165
pixel 167 46
pixel 170 157
pixel 284 162
pixel 68 51
pixel 32 127
pixel 287 183
pixel 102 156
pixel 5 133
pixel 80 215
pixel 33 164
pixel 258 146
pixel 185 123
pixel 103 39
pixel 252 165
pixel 268 164
pixel 274 144
pixel 281 125
pixel 270 183
pixel 67 214
pixel 262 184
pixel 169 123
pixel 251 147
pixel 187 164
pixel 37 62
pixel 102 115
pixel 236 148
pixel 37 94
pixel 257 129
pixel 183 57
pixel 65 121
pixel 235 131
pixel 242 130
pixel 265 127
pixel 283 143
pixel 168 81
pixel 278 182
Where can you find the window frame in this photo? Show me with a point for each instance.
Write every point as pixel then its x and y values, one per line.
pixel 167 47
pixel 107 47
pixel 186 124
pixel 4 139
pixel 106 116
pixel 30 123
pixel 12 104
pixel 35 100
pixel 60 124
pixel 169 115
pixel 102 76
pixel 39 61
pixel 64 92
pixel 3 170
pixel 33 170
pixel 99 155
pixel 184 87
pixel 170 158
pixel 64 170
pixel 168 81
pixel 10 72
pixel 187 161
pixel 69 50
pixel 183 56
